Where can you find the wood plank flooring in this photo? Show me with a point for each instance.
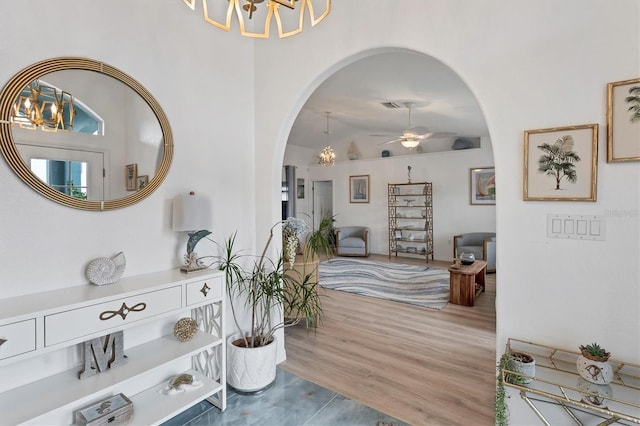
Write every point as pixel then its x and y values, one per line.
pixel 420 365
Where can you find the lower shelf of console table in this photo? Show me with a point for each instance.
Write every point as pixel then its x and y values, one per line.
pixel 44 326
pixel 65 390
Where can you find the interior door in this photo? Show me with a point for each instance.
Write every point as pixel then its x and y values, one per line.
pixel 322 200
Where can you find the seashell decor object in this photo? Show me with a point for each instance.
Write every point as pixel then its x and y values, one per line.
pixel 106 270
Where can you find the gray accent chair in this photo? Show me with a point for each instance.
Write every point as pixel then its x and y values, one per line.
pixel 481 244
pixel 352 241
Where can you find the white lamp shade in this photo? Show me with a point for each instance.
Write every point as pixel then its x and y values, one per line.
pixel 191 212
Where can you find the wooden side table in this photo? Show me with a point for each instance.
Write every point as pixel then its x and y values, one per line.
pixel 463 281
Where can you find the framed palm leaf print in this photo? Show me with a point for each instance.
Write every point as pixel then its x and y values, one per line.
pixel 560 163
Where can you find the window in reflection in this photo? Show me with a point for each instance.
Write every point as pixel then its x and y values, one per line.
pixel 68 177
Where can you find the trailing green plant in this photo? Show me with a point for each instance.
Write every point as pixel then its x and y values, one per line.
pixel 506 374
pixel 502 411
pixel 594 352
pixel 268 292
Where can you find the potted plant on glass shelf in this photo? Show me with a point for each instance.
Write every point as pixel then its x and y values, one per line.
pixel 269 295
pixel 593 365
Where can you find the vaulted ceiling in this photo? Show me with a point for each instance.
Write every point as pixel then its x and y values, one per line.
pixel 355 96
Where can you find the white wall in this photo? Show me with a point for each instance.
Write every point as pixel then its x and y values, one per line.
pixel 231 103
pixel 449 173
pixel 202 78
pixel 209 103
pixel 531 65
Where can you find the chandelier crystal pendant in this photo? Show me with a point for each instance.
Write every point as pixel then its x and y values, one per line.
pixel 45 107
pixel 327 156
pixel 256 16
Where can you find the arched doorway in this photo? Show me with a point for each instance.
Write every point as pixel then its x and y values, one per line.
pixel 344 349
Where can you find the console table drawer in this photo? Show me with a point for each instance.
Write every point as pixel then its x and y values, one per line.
pixel 19 337
pixel 76 323
pixel 204 291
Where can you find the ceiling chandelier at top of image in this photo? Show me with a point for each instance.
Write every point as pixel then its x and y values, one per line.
pixel 255 18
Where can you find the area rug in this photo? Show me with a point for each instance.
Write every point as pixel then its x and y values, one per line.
pixel 417 285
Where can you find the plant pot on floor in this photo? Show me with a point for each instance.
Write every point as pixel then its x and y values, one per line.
pixel 250 370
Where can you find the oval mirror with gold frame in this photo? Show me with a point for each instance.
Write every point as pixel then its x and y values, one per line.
pixel 134 157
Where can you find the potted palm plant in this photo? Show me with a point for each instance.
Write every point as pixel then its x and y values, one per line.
pixel 261 287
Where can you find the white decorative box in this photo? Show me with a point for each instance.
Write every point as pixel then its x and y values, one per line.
pixel 116 410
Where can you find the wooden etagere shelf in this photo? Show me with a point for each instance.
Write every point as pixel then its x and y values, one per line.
pixel 411 219
pixel 558 383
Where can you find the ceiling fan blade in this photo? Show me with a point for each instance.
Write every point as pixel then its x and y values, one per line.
pixel 418 130
pixel 386 143
pixel 436 135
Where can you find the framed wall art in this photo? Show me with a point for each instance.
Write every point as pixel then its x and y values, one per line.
pixel 482 186
pixel 560 163
pixel 131 176
pixel 359 189
pixel 623 121
pixel 142 181
pixel 300 188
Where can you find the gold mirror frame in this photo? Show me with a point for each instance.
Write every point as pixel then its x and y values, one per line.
pixel 12 90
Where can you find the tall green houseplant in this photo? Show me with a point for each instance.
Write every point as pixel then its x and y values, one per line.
pixel 264 287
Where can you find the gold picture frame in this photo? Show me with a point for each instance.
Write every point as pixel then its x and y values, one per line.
pixel 623 121
pixel 359 189
pixel 142 181
pixel 560 163
pixel 131 177
pixel 482 186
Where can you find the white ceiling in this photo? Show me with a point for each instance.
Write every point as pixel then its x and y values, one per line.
pixel 354 96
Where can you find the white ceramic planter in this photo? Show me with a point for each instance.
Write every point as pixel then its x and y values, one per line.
pixel 596 372
pixel 526 368
pixel 251 369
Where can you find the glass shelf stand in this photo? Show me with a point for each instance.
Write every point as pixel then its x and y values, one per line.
pixel 410 207
pixel 557 381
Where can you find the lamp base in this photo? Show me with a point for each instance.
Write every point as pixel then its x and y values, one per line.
pixel 191 263
pixel 192 268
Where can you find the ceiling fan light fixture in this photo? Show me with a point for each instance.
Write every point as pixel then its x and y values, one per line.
pixel 410 143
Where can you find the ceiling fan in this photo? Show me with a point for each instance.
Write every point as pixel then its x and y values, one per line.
pixel 412 135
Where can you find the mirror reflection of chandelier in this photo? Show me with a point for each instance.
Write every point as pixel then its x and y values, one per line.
pixel 45 107
pixel 255 19
pixel 327 156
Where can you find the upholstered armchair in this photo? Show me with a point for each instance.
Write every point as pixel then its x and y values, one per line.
pixel 481 244
pixel 352 241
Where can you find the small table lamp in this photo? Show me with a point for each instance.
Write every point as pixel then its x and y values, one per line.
pixel 192 213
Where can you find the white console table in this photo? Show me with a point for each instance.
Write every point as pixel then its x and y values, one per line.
pixel 36 325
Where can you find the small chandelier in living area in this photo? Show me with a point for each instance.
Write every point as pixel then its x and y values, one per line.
pixel 45 107
pixel 256 16
pixel 327 156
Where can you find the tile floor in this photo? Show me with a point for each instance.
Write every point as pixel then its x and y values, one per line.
pixel 290 401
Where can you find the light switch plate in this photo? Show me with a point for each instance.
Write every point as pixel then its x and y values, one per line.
pixel 576 226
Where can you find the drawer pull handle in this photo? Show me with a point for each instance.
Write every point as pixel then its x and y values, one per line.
pixel 3 341
pixel 123 311
pixel 205 289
